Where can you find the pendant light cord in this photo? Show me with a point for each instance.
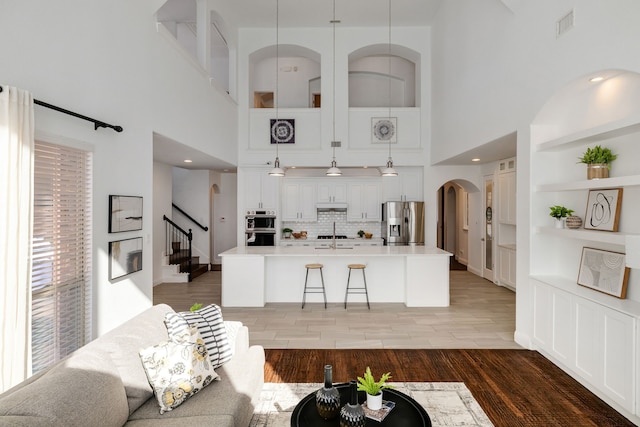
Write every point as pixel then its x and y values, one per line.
pixel 333 22
pixel 389 76
pixel 277 70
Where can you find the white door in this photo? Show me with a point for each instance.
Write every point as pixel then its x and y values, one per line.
pixel 488 231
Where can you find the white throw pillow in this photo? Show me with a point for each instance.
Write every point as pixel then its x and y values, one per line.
pixel 178 369
pixel 211 326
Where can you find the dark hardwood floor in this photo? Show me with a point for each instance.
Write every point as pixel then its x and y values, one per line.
pixel 514 387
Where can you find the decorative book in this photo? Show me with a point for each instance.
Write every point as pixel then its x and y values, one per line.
pixel 381 413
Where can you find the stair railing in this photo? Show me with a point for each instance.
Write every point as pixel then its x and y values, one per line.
pixel 178 245
pixel 189 217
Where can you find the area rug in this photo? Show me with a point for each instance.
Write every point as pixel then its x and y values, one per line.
pixel 448 404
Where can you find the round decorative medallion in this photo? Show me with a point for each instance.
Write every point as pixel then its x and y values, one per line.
pixel 282 131
pixel 384 130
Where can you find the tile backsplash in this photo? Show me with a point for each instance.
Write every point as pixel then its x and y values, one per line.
pixel 324 226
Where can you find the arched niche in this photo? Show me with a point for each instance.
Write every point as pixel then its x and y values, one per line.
pixel 298 73
pixel 375 70
pixel 584 104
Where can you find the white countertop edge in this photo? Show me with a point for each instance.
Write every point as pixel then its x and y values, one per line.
pixel 269 251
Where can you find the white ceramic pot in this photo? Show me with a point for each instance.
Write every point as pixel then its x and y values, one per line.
pixel 559 222
pixel 374 402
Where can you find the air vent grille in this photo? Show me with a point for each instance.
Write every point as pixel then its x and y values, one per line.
pixel 336 144
pixel 564 24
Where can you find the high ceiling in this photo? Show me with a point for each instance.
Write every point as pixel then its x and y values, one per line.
pixel 308 13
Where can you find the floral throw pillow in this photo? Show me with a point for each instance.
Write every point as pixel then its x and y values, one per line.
pixel 178 369
pixel 212 329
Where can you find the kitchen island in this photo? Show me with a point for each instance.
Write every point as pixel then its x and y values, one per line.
pixel 417 276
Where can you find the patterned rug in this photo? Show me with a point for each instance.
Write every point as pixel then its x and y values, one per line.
pixel 448 404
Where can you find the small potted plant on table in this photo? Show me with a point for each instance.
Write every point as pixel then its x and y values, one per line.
pixel 598 161
pixel 286 232
pixel 560 213
pixel 373 388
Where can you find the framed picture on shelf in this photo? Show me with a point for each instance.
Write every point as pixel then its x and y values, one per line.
pixel 604 271
pixel 125 257
pixel 603 209
pixel 125 213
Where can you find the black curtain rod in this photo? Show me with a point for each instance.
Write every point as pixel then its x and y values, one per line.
pixel 96 123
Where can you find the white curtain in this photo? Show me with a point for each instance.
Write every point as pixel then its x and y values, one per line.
pixel 16 201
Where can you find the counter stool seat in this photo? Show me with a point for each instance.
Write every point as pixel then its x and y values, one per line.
pixel 314 289
pixel 357 290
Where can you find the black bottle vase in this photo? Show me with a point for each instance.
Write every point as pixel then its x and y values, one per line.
pixel 352 414
pixel 328 397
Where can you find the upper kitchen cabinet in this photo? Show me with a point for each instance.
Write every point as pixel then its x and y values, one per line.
pixel 332 190
pixel 365 198
pixel 507 191
pixel 407 186
pixel 299 200
pixel 260 190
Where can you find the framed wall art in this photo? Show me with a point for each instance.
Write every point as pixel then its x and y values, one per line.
pixel 283 131
pixel 125 213
pixel 125 257
pixel 384 130
pixel 604 271
pixel 603 209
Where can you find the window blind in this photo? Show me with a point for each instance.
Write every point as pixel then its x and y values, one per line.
pixel 61 253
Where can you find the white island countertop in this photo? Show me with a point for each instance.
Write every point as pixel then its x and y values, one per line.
pixel 306 251
pixel 417 276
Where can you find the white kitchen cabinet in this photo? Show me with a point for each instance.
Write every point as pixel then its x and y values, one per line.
pixel 407 186
pixel 507 266
pixel 299 200
pixel 332 190
pixel 260 190
pixel 364 201
pixel 507 198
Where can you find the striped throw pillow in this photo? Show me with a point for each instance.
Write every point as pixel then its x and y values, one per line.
pixel 211 327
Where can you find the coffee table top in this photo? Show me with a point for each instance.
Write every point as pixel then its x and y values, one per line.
pixel 406 413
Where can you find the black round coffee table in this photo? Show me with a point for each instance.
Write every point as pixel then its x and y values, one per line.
pixel 406 413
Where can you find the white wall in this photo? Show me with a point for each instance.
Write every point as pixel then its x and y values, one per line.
pixel 293 79
pixel 162 196
pixel 225 213
pixel 107 60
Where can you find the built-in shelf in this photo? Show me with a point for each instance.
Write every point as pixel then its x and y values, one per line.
pixel 629 307
pixel 616 238
pixel 589 184
pixel 608 130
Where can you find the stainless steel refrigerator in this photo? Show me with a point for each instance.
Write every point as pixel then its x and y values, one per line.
pixel 403 223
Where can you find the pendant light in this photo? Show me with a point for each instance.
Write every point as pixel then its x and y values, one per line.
pixel 277 170
pixel 333 170
pixel 389 170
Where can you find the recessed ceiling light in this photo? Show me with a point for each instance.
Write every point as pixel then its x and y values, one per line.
pixel 188 161
pixel 365 167
pixel 596 79
pixel 475 159
pixel 292 167
pixel 225 170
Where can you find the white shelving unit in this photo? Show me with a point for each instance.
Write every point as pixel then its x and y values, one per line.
pixel 591 335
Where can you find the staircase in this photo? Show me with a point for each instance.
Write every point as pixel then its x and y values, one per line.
pixel 178 260
pixel 178 265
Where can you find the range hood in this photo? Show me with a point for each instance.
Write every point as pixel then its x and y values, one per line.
pixel 331 206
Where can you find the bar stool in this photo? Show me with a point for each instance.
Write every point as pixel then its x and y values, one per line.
pixel 360 290
pixel 314 289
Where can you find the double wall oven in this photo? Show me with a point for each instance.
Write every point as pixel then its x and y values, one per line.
pixel 260 228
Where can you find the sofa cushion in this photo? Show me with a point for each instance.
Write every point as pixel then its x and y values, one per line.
pixel 84 389
pixel 211 326
pixel 178 369
pixel 123 344
pixel 235 395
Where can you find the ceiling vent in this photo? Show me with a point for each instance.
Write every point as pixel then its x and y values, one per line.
pixel 564 24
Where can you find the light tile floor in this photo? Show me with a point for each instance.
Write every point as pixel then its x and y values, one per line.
pixel 481 315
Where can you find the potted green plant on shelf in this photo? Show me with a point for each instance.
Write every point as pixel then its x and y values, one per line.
pixel 361 233
pixel 598 161
pixel 373 388
pixel 286 232
pixel 560 213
